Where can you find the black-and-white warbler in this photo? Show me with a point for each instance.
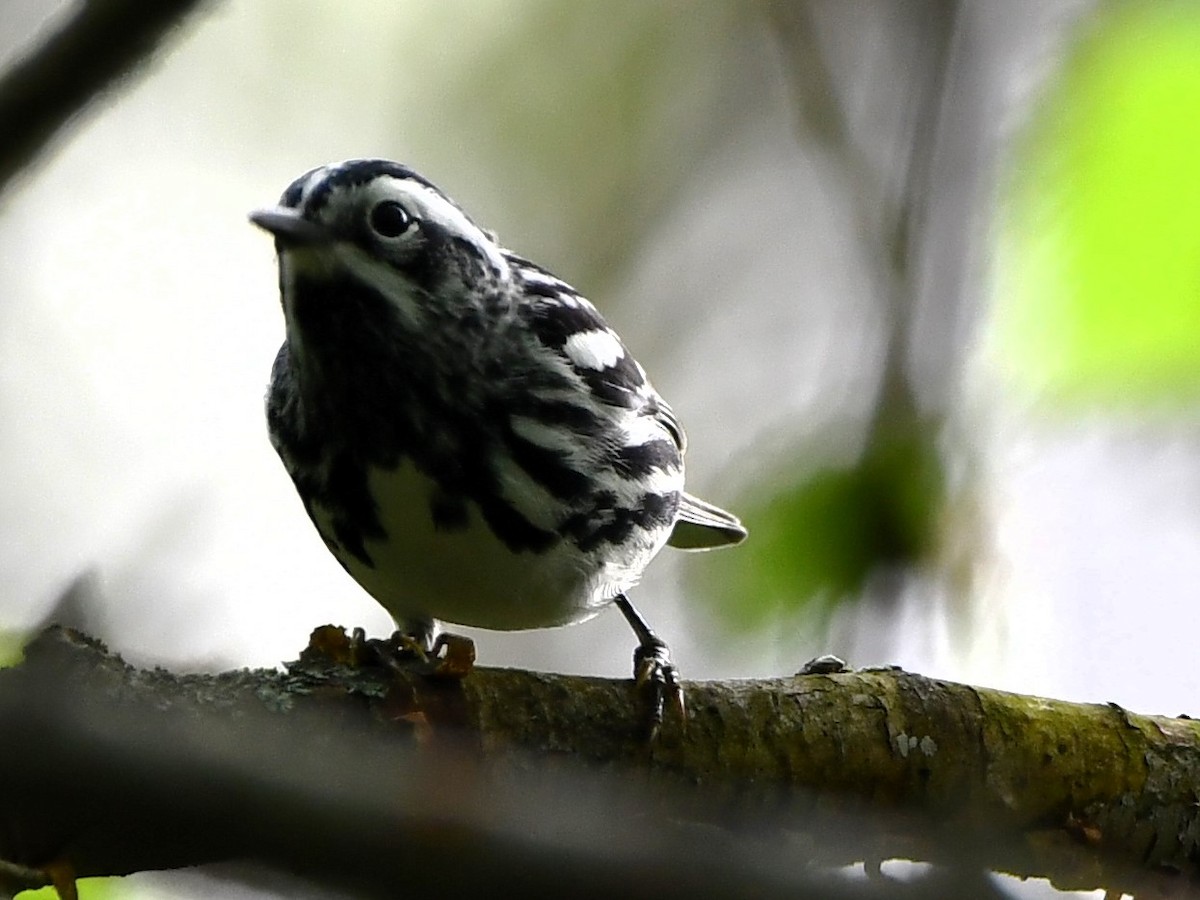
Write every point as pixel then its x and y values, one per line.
pixel 472 441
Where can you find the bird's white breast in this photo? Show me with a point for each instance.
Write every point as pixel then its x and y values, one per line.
pixel 467 576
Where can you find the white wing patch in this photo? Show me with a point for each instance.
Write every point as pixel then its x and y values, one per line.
pixel 638 430
pixel 598 349
pixel 539 277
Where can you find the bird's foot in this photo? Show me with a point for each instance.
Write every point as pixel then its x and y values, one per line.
pixel 658 680
pixel 407 650
pixel 450 656
pixel 400 649
pixel 653 672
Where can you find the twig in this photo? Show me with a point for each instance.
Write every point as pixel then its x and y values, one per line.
pixel 102 42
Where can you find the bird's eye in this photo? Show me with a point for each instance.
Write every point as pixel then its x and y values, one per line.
pixel 389 219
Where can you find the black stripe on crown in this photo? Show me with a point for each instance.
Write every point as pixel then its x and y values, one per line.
pixel 295 191
pixel 351 173
pixel 355 172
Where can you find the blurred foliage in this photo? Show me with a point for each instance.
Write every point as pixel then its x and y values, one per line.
pixel 624 99
pixel 816 542
pixel 1099 270
pixel 89 889
pixel 12 644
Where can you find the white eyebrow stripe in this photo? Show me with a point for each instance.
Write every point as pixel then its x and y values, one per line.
pixel 434 207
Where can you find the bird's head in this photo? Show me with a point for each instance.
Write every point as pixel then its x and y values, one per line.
pixel 377 231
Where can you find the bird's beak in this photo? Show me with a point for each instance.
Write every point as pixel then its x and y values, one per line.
pixel 290 227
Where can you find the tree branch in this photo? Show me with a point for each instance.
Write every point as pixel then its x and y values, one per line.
pixel 103 41
pixel 367 779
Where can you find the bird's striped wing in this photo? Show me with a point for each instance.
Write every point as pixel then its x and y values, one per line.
pixel 568 324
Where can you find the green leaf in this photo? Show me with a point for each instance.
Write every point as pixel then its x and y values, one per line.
pixel 12 647
pixel 1099 266
pixel 89 889
pixel 814 543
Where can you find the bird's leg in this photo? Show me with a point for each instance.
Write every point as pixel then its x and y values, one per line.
pixel 653 670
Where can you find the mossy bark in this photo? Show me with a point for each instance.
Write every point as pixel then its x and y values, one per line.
pixel 904 766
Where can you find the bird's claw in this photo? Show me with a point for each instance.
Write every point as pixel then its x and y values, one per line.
pixel 656 676
pixel 406 650
pixel 397 652
pixel 459 658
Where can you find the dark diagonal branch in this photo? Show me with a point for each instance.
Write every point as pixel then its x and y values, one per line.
pixel 103 41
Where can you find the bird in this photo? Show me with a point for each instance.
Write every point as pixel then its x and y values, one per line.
pixel 473 442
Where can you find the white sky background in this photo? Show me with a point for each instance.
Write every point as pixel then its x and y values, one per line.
pixel 140 318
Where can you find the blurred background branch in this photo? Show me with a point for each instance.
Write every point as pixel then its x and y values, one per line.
pixel 100 42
